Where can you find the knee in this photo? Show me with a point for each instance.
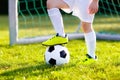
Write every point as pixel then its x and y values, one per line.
pixel 87 27
pixel 50 4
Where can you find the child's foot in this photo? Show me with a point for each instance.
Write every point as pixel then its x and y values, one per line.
pixel 56 40
pixel 88 59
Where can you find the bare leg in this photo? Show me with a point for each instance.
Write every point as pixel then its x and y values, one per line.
pixel 56 4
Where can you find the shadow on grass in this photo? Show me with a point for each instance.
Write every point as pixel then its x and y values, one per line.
pixel 4 45
pixel 41 69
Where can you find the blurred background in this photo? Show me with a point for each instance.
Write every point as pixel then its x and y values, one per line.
pixel 32 16
pixel 4 5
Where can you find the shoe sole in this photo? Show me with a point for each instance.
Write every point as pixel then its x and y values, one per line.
pixel 55 44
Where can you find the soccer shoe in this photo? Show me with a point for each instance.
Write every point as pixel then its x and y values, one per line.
pixel 56 40
pixel 89 59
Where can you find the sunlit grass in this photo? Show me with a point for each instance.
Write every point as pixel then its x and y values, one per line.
pixel 26 62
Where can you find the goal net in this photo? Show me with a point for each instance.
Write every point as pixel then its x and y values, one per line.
pixel 29 22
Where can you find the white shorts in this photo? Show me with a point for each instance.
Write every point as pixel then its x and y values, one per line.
pixel 80 9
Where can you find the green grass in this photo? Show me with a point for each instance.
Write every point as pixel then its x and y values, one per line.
pixel 26 62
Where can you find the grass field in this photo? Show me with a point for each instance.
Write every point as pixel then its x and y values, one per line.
pixel 26 62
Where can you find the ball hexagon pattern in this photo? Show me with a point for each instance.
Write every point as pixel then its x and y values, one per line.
pixel 57 55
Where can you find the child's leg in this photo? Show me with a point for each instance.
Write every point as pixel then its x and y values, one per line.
pixel 90 38
pixel 55 15
pixel 57 21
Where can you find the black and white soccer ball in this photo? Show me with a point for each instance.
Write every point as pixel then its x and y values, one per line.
pixel 57 55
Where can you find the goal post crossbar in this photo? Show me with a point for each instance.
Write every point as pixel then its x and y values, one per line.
pixel 70 36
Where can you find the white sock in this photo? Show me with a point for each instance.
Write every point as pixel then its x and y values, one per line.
pixel 57 21
pixel 90 39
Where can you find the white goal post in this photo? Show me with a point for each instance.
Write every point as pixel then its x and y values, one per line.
pixel 13 29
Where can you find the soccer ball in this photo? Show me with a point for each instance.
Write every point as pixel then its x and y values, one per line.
pixel 57 55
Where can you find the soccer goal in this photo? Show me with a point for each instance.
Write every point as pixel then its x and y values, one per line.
pixel 29 22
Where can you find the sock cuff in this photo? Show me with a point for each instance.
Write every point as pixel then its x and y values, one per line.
pixel 90 33
pixel 53 11
pixel 90 36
